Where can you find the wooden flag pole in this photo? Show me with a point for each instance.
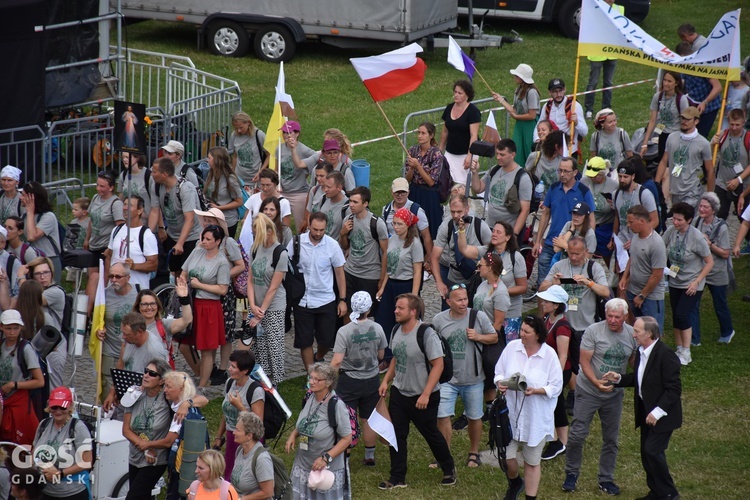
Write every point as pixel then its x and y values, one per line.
pixel 395 134
pixel 721 116
pixel 572 125
pixel 483 80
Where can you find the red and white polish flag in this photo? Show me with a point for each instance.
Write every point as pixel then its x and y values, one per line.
pixel 391 74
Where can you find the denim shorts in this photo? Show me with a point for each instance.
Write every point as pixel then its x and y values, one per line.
pixel 471 395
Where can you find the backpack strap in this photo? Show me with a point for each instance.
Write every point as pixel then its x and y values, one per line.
pixel 493 171
pixel 421 330
pixel 595 140
pixel 590 269
pixel 9 265
pixel 373 228
pixel 472 321
pixel 332 423
pixel 261 151
pixel 194 487
pixel 57 249
pixel 296 249
pixel 276 255
pixel 478 229
pixel 387 210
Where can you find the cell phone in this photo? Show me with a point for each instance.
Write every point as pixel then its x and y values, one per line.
pixel 607 195
pixel 466 219
pixel 567 281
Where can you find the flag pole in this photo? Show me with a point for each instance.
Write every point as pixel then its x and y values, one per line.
pixel 721 115
pixel 573 108
pixel 483 80
pixel 395 134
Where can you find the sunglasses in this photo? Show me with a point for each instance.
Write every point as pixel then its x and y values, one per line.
pixel 57 408
pixel 118 276
pixel 106 175
pixel 457 286
pixel 151 373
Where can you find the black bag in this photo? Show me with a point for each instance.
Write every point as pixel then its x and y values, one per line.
pixel 482 148
pixel 447 374
pixel 274 418
pixel 500 432
pixel 601 302
pixel 294 281
pixel 39 397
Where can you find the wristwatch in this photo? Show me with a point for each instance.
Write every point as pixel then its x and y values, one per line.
pixel 640 296
pixel 328 458
pixel 342 299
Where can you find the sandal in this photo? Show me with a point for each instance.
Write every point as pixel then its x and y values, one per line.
pixel 475 459
pixel 434 465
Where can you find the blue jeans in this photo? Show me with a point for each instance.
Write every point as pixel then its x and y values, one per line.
pixel 609 75
pixel 721 306
pixel 653 308
pixel 544 262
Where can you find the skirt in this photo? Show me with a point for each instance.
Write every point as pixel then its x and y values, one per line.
pixel 429 199
pixel 208 323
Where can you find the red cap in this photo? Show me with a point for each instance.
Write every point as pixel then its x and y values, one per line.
pixel 60 396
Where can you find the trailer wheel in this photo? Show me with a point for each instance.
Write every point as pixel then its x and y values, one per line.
pixel 122 487
pixel 569 18
pixel 274 43
pixel 228 38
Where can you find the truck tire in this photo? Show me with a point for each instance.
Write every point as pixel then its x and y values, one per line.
pixel 274 43
pixel 569 18
pixel 227 38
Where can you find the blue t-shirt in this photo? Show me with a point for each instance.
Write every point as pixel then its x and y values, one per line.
pixel 564 203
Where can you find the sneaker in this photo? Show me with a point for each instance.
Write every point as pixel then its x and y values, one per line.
pixel 589 115
pixel 460 423
pixel 688 356
pixel 368 462
pixel 554 448
pixel 449 479
pixel 727 339
pixel 514 491
pixel 570 482
pixel 681 356
pixel 388 485
pixel 609 488
pixel 695 344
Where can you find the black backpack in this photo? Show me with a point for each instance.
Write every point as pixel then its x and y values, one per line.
pixel 67 316
pixel 447 374
pixel 294 282
pixel 500 432
pixel 72 432
pixel 274 418
pixel 601 302
pixel 38 398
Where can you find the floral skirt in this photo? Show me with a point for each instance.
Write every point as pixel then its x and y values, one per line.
pixel 339 490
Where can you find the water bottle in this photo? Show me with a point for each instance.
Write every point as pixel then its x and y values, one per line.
pixel 539 191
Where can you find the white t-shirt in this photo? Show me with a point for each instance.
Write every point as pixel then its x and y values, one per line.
pixel 253 206
pixel 118 242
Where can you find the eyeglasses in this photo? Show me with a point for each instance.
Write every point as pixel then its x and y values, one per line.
pixel 331 152
pixel 400 193
pixel 685 119
pixel 151 373
pixel 147 304
pixel 457 286
pixel 314 379
pixel 104 174
pixel 117 276
pixel 42 274
pixel 56 408
pixel 529 319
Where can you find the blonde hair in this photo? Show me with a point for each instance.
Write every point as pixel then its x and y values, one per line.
pixel 261 225
pixel 181 378
pixel 215 462
pixel 344 142
pixel 241 116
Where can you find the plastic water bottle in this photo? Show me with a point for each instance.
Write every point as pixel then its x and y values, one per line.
pixel 539 191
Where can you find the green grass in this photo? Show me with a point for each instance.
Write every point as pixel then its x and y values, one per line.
pixel 708 456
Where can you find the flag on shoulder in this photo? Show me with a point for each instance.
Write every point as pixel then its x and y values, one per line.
pixel 391 74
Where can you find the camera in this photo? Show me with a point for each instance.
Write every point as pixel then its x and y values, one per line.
pixel 466 219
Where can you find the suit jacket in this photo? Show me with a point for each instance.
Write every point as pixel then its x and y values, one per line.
pixel 661 387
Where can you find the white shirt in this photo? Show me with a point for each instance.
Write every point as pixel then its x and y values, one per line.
pixel 557 115
pixel 645 354
pixel 118 246
pixel 317 263
pixel 531 417
pixel 253 206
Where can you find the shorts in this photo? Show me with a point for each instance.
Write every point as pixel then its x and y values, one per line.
pixel 176 261
pixel 96 257
pixel 318 324
pixel 471 395
pixel 531 455
pixel 360 394
pixel 355 284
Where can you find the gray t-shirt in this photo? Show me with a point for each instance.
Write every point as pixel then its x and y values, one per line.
pixel 117 307
pixel 246 480
pixel 545 170
pixel 467 356
pixel 47 223
pixel 228 191
pixel 154 330
pixel 190 175
pixel 512 272
pixel 263 274
pixel 623 201
pixel 174 208
pixel 500 184
pixel 731 160
pixel 364 252
pixel 646 254
pixel 232 414
pixel 213 271
pixel 55 297
pixel 248 155
pixel 10 371
pixel 401 260
pixel 718 275
pixel 389 212
pixel 136 186
pixel 581 299
pixel 231 250
pixel 293 179
pixel 528 102
pixel 104 214
pixel 360 342
pixel 446 242
pixel 61 440
pixel 11 207
pixel 137 358
pixel 411 371
pixel 590 236
pixel 603 211
pixel 4 256
pixel 336 212
pixel 611 353
pixel 346 166
pixel 150 417
pixel 488 300
pixel 686 253
pixel 313 423
pixel 691 155
pixel 314 195
pixel 612 146
pixel 667 113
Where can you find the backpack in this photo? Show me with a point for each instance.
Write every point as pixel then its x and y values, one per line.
pixel 534 204
pixel 413 208
pixel 677 99
pixel 72 433
pixel 239 282
pixel 601 312
pixel 282 485
pixel 447 374
pixel 353 420
pixel 61 233
pixel 512 202
pixel 169 346
pixel 574 346
pixel 294 281
pixel 146 180
pixel 568 108
pixel 500 432
pixel 746 139
pixel 177 450
pixel 274 418
pixel 261 151
pixel 202 201
pixel 67 317
pixel 224 493
pixel 445 180
pixel 141 234
pixel 39 397
pixel 22 253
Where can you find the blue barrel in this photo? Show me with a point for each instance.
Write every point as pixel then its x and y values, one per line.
pixel 361 171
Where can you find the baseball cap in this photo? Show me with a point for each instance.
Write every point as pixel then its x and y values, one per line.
pixel 690 112
pixel 556 83
pixel 11 317
pixel 626 169
pixel 174 147
pixel 60 396
pixel 399 184
pixel 331 145
pixel 290 126
pixel 595 165
pixel 555 294
pixel 581 208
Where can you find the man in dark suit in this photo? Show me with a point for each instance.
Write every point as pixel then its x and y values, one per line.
pixel 658 407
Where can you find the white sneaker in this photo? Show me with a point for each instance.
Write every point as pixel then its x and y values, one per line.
pixel 688 356
pixel 682 357
pixel 589 115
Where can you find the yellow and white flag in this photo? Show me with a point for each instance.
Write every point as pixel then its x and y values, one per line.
pixel 97 323
pixel 283 107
